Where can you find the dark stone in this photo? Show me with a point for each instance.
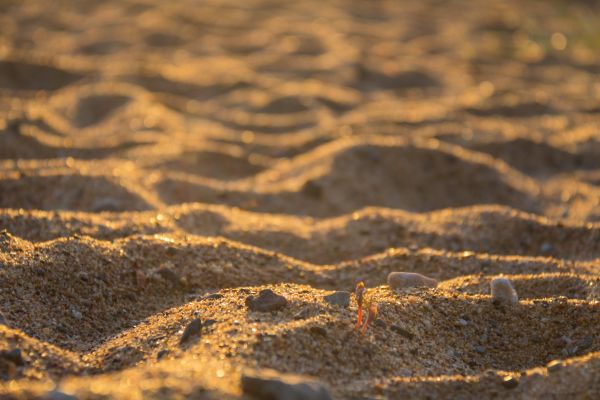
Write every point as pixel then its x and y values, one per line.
pixel 161 354
pixel 400 330
pixel 266 301
pixel 194 328
pixel 312 189
pixel 318 330
pixel 58 395
pixel 13 356
pixel 554 365
pixel 209 322
pixel 510 382
pixel 271 385
pixel 341 299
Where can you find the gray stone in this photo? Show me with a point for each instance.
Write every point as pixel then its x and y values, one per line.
pixel 318 330
pixel 271 385
pixel 192 329
pixel 13 356
pixel 340 298
pixel 554 365
pixel 58 395
pixel 76 313
pixel 510 382
pixel 266 301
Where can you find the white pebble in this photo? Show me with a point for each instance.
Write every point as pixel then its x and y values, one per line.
pixel 403 280
pixel 503 291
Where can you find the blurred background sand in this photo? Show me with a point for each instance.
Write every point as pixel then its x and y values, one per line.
pixel 299 146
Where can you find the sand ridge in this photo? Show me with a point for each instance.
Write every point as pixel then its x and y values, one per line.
pixel 161 162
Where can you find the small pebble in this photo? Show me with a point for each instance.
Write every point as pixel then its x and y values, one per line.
pixel 503 291
pixel 266 301
pixel 209 322
pixel 161 354
pixel 58 395
pixel 76 313
pixel 340 298
pixel 272 385
pixel 403 280
pixel 545 248
pixel 319 330
pixel 13 356
pixel 3 319
pixel 463 322
pixel 554 365
pixel 192 329
pixel 510 382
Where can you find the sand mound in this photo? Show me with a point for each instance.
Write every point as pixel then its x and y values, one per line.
pixel 163 164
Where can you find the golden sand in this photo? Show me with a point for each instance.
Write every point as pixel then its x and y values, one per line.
pixel 160 162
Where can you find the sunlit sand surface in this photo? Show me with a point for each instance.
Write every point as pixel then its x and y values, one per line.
pixel 162 161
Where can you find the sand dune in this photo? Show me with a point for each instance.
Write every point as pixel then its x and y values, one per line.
pixel 162 162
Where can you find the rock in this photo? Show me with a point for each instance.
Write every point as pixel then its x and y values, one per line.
pixel 13 356
pixel 161 354
pixel 266 301
pixel 510 382
pixel 404 280
pixel 272 385
pixel 503 291
pixel 462 322
pixel 194 328
pixel 209 322
pixel 480 349
pixel 554 365
pixel 58 395
pixel 312 189
pixel 212 296
pixel 404 372
pixel 318 330
pixel 341 299
pixel 546 248
pixel 76 313
pixel 400 330
pixel 3 319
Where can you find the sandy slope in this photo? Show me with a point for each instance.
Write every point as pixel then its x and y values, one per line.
pixel 301 147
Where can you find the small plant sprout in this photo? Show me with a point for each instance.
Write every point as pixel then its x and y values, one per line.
pixel 371 316
pixel 359 293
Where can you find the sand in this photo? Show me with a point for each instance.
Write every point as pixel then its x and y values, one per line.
pixel 163 161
